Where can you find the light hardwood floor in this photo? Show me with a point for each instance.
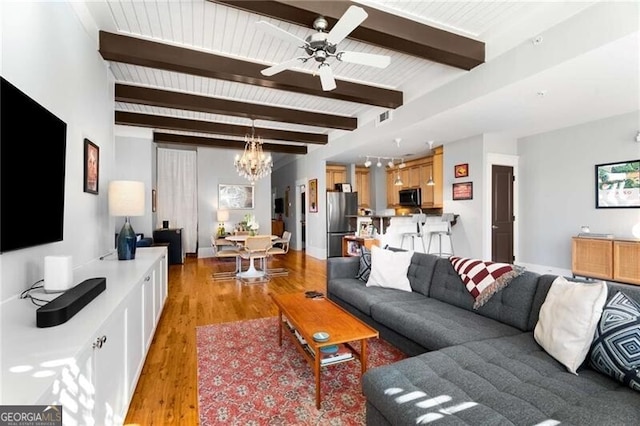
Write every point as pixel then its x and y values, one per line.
pixel 167 392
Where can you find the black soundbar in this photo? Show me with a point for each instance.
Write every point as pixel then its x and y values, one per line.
pixel 69 303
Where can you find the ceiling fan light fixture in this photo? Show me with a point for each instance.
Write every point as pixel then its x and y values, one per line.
pixel 322 45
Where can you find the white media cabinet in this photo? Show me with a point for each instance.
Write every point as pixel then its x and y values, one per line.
pixel 90 364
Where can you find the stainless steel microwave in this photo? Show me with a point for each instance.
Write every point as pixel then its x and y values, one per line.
pixel 410 197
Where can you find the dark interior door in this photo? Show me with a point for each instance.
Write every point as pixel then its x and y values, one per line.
pixel 502 217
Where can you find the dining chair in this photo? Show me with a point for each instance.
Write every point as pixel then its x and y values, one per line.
pixel 280 246
pixel 224 252
pixel 255 247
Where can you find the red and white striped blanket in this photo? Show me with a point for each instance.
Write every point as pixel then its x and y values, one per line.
pixel 484 279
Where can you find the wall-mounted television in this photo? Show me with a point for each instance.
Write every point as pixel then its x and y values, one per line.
pixel 279 205
pixel 33 147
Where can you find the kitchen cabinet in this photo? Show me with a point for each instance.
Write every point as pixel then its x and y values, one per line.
pixel 606 259
pixel 416 174
pixel 335 174
pixel 363 186
pixel 94 360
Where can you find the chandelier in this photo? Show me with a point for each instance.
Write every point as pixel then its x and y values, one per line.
pixel 254 164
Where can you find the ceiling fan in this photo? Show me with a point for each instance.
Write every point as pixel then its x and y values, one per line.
pixel 323 45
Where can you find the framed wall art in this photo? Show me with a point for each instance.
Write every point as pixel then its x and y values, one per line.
pixel 91 166
pixel 235 196
pixel 313 195
pixel 461 170
pixel 618 185
pixel 463 191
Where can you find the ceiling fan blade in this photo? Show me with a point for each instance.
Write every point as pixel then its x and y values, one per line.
pixel 353 17
pixel 379 61
pixel 275 69
pixel 326 77
pixel 280 33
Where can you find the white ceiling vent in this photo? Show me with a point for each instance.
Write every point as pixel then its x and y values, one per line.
pixel 384 117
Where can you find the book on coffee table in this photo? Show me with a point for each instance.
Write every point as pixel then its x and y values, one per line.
pixel 342 354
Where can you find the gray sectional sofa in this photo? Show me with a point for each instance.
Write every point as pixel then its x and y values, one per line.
pixel 467 366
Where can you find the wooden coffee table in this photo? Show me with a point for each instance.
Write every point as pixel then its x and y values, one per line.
pixel 309 316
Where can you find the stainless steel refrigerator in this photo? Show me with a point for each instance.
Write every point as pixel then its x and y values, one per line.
pixel 342 209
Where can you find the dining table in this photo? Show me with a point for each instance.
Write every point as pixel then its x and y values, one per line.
pixel 251 271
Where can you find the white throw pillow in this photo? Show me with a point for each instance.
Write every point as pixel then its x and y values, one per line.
pixel 568 320
pixel 389 269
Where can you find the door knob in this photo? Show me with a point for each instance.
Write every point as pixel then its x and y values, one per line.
pixel 494 226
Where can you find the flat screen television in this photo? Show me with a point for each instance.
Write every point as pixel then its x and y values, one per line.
pixel 279 205
pixel 33 147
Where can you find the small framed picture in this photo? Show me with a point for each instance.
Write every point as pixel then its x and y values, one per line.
pixel 346 187
pixel 313 196
pixel 461 170
pixel 91 166
pixel 463 191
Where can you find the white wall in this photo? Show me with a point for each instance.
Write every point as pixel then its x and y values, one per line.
pixel 467 232
pixel 215 166
pixel 558 186
pixel 48 54
pixel 135 155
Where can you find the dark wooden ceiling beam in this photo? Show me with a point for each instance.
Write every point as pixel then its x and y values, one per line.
pixel 185 101
pixel 380 28
pixel 146 53
pixel 183 124
pixel 161 137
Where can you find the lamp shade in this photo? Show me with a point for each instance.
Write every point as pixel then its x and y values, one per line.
pixel 126 198
pixel 223 215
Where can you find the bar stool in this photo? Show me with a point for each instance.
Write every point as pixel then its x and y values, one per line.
pixel 419 220
pixel 448 218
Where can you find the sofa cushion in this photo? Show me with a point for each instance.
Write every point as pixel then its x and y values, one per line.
pixel 389 269
pixel 616 348
pixel 510 380
pixel 512 305
pixel 568 320
pixel 421 270
pixel 357 294
pixel 434 324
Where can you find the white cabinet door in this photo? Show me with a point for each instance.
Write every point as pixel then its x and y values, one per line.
pixel 148 313
pixel 136 349
pixel 110 359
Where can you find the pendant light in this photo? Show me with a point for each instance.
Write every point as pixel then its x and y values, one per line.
pixel 430 182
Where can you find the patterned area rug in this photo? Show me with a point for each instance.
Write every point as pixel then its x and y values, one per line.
pixel 245 378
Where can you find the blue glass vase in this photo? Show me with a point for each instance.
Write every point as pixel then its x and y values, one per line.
pixel 126 242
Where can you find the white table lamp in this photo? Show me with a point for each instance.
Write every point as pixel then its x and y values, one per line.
pixel 126 198
pixel 223 216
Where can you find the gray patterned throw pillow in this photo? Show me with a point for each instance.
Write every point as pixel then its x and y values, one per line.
pixel 365 265
pixel 616 348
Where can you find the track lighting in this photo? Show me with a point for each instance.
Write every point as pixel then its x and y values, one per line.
pixel 390 164
pixel 367 163
pixel 379 163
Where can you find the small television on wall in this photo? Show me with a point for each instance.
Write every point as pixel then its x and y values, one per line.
pixel 33 147
pixel 279 205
